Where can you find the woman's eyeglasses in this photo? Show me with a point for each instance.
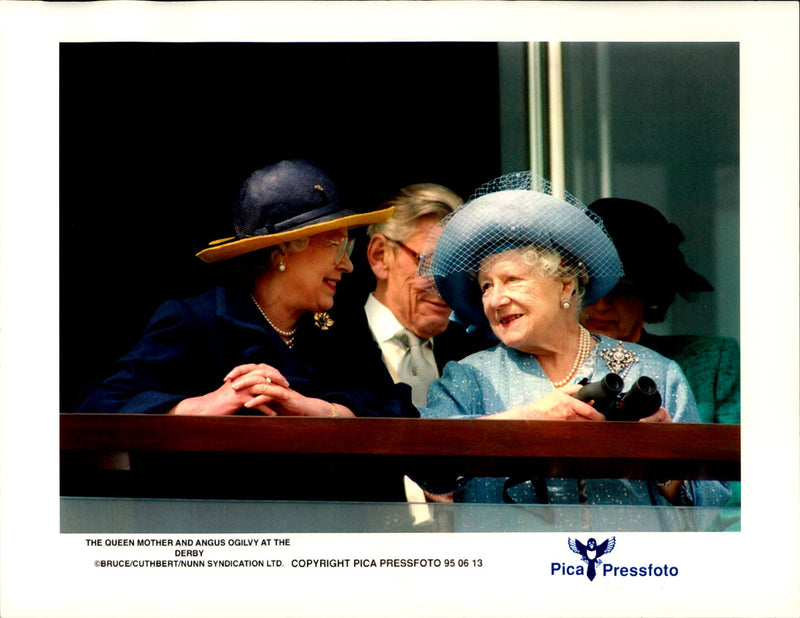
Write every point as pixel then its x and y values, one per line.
pixel 344 247
pixel 414 255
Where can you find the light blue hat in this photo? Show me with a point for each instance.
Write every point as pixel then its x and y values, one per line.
pixel 516 210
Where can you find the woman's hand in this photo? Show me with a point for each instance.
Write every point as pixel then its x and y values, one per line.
pixel 256 373
pixel 557 405
pixel 288 402
pixel 267 390
pixel 237 391
pixel 224 401
pixel 260 387
pixel 661 416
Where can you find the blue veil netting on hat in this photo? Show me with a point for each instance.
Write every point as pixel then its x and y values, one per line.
pixel 515 210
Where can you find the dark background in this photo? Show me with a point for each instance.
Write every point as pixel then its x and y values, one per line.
pixel 155 139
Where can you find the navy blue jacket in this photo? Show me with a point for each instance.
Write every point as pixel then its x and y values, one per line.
pixel 190 345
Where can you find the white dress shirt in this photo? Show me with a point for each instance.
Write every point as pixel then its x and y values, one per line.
pixel 384 327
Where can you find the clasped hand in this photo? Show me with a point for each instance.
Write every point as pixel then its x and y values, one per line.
pixel 257 387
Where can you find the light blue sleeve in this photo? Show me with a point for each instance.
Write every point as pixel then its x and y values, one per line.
pixel 678 398
pixel 457 394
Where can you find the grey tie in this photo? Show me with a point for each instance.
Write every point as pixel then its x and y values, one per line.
pixel 414 370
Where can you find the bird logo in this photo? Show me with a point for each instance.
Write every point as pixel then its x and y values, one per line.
pixel 591 552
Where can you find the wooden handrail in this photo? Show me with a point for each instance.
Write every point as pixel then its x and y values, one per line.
pixel 553 448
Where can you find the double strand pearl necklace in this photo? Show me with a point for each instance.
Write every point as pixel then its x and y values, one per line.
pixel 584 346
pixel 287 335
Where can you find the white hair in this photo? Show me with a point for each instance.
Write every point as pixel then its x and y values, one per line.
pixel 550 263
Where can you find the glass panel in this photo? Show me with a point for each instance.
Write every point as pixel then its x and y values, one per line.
pixel 123 515
pixel 659 123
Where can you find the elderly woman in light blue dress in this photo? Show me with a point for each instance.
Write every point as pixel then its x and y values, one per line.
pixel 523 262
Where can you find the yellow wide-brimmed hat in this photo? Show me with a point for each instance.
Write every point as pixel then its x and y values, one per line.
pixel 286 201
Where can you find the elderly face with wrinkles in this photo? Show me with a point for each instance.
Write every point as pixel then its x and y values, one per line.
pixel 522 303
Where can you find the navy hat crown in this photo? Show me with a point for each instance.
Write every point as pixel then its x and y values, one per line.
pixel 284 196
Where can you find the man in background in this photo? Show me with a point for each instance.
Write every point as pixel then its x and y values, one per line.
pixel 406 315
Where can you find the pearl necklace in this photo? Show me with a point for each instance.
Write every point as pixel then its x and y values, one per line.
pixel 584 346
pixel 288 335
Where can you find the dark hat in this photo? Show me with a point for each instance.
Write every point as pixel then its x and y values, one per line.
pixel 648 247
pixel 282 202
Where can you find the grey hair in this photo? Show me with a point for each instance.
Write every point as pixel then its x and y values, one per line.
pixel 292 246
pixel 245 267
pixel 413 203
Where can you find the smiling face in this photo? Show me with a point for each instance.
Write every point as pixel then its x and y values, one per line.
pixel 523 306
pixel 309 281
pixel 410 298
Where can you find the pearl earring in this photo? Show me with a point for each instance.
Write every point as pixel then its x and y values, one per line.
pixel 566 304
pixel 281 266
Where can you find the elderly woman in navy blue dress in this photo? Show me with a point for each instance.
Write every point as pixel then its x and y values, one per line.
pixel 522 262
pixel 263 343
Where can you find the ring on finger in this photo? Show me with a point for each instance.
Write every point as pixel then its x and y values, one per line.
pixel 267 380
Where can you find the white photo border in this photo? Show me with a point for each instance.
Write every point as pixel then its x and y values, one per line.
pixel 750 573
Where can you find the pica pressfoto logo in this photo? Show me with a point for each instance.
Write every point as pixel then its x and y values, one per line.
pixel 591 552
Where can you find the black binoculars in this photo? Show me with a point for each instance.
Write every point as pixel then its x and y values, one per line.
pixel 606 396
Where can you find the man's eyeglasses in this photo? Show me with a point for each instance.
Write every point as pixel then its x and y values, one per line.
pixel 414 255
pixel 344 247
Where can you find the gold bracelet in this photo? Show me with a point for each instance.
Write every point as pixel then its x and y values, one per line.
pixel 334 411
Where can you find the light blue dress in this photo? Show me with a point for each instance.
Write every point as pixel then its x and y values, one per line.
pixel 500 378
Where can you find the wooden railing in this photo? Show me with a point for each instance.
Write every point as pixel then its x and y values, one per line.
pixel 100 453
